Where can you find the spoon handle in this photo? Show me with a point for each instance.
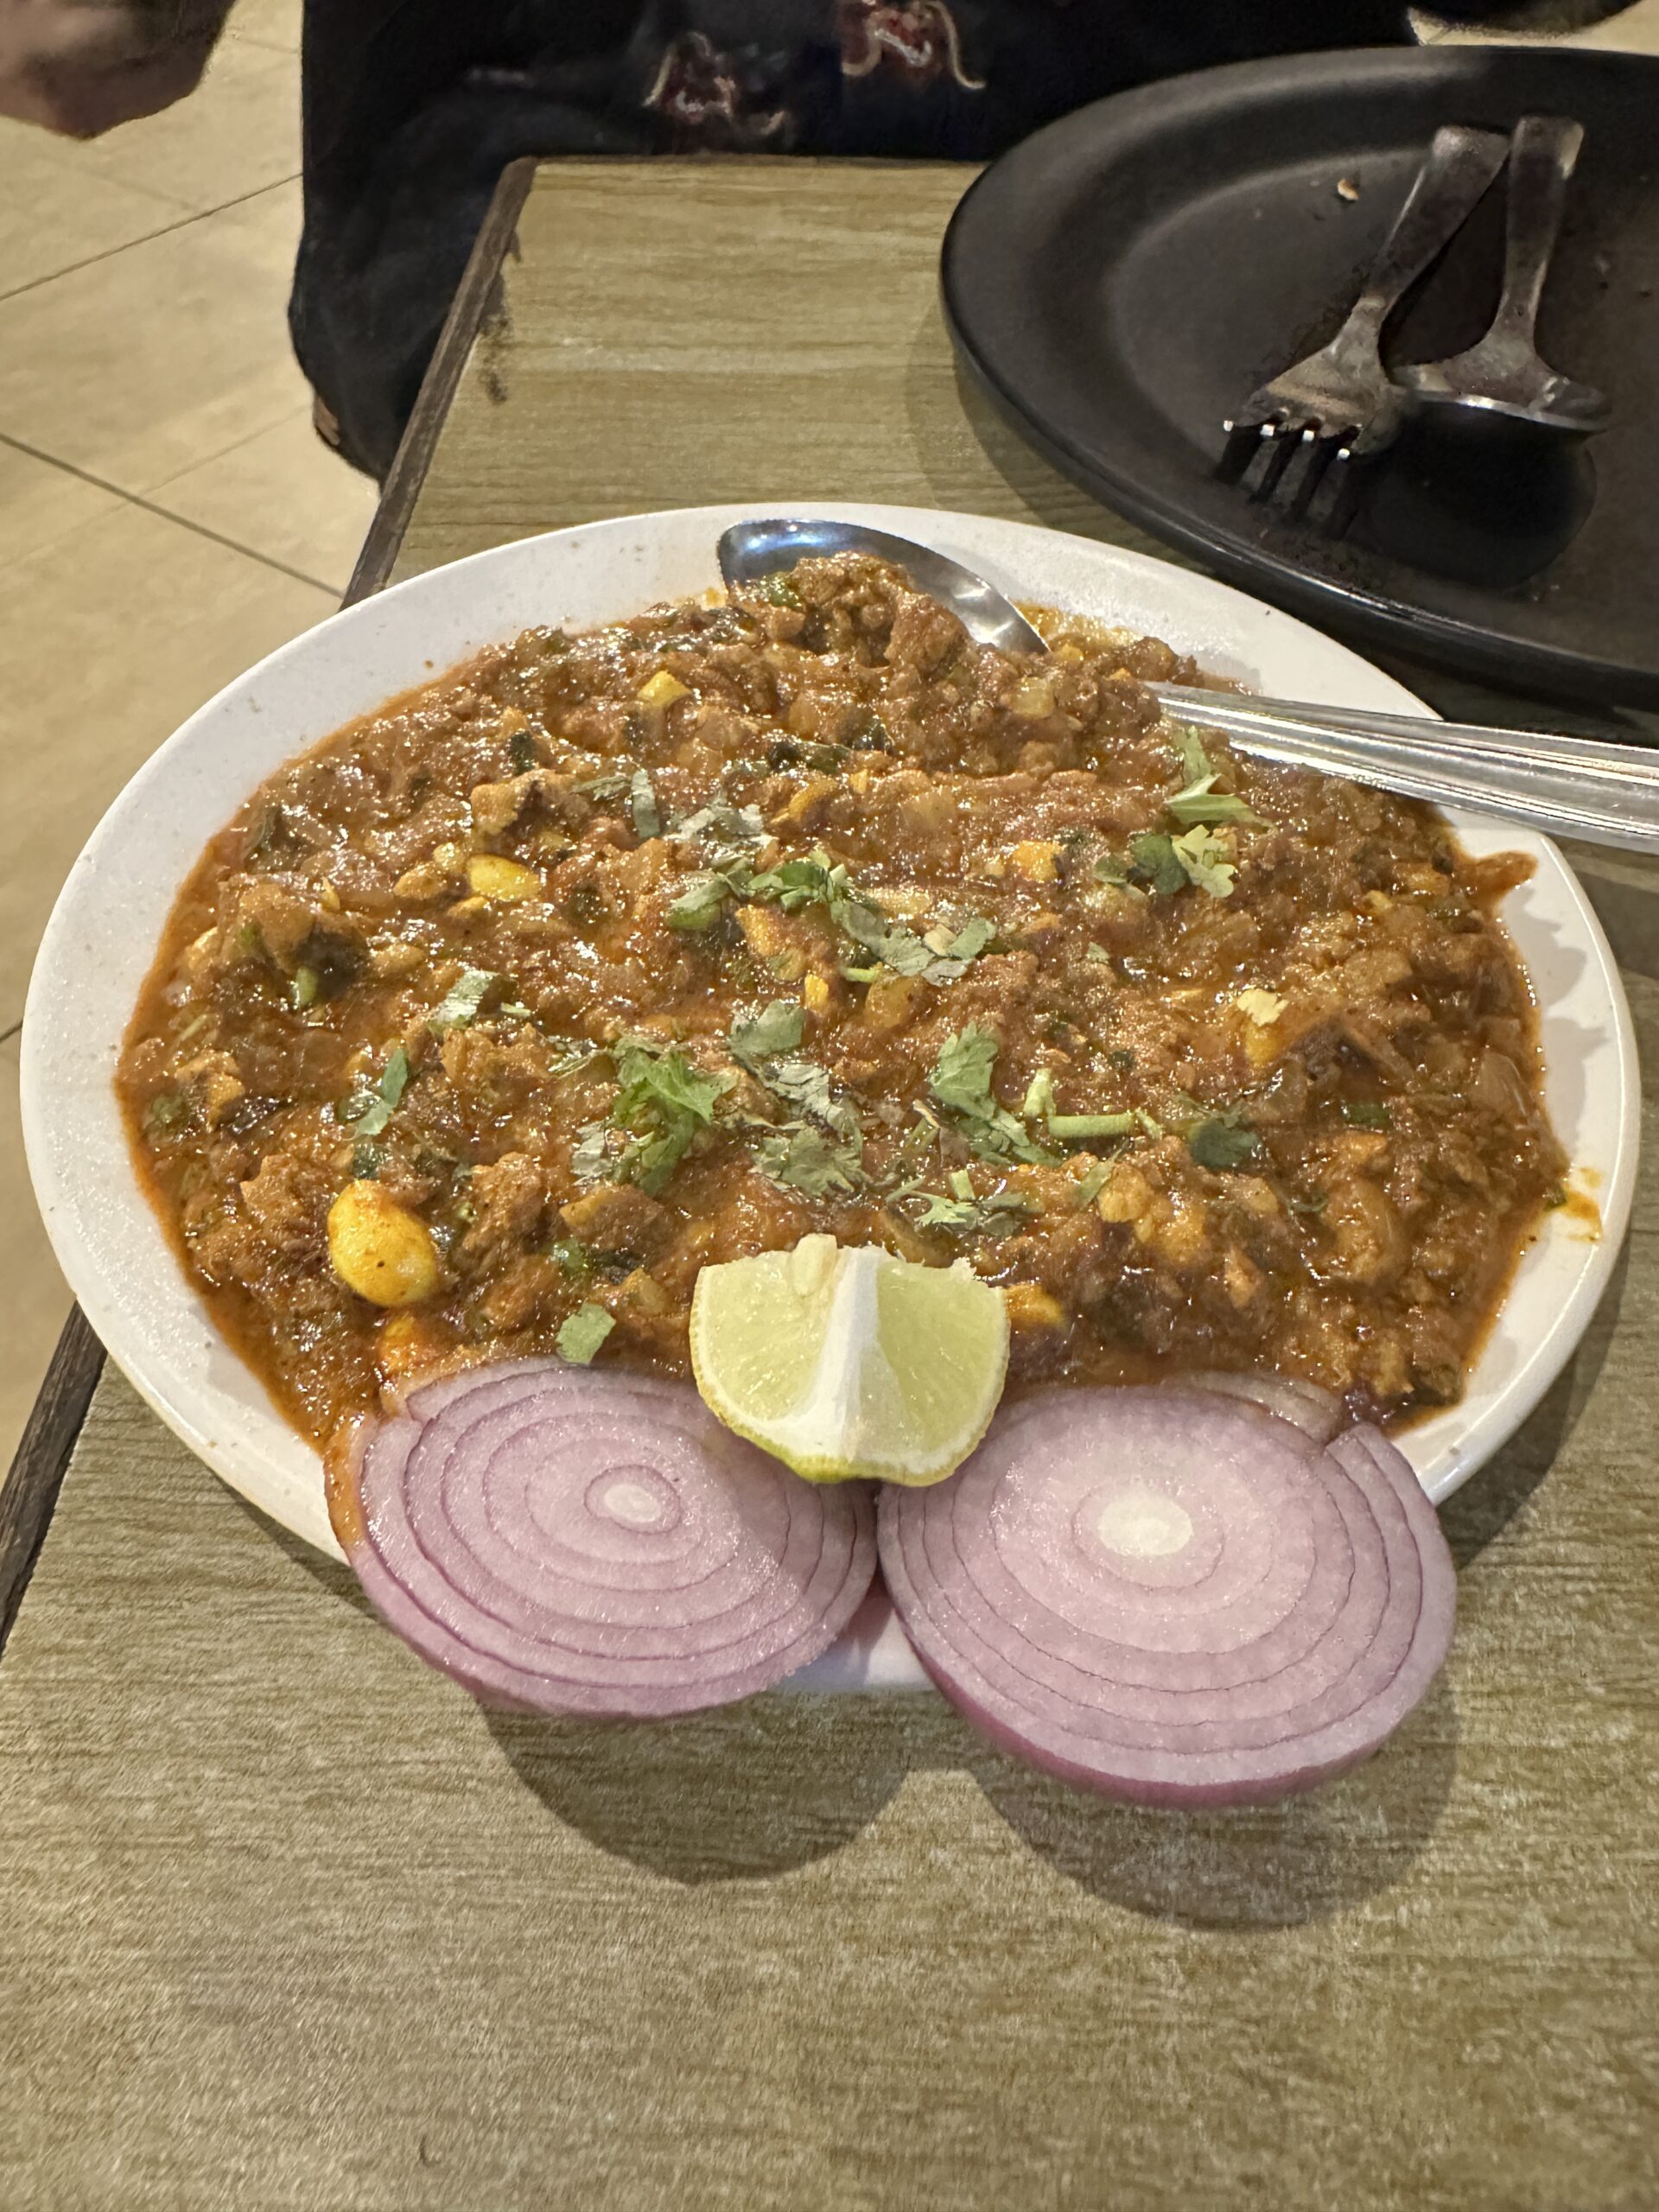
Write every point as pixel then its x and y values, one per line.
pixel 1462 162
pixel 1543 153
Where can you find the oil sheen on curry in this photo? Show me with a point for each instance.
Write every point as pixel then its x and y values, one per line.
pixel 606 957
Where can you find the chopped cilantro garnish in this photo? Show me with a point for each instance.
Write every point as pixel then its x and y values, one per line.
pixel 1367 1114
pixel 662 1101
pixel 611 785
pixel 1153 861
pixel 368 1113
pixel 1098 952
pixel 461 1001
pixel 574 1257
pixel 727 831
pixel 1069 1126
pixel 580 1337
pixel 521 752
pixel 1093 1183
pixel 1195 762
pixel 778 590
pixel 1040 1095
pixel 1198 803
pixel 805 1159
pixel 1121 1057
pixel 699 905
pixel 1220 1143
pixel 643 807
pixel 963 1214
pixel 961 1082
pixel 769 1034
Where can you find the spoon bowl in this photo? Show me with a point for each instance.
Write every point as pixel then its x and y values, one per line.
pixel 750 552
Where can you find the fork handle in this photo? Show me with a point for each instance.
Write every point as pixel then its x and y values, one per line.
pixel 1460 165
pixel 1543 153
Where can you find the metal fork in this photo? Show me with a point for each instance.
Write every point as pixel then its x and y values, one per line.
pixel 1339 404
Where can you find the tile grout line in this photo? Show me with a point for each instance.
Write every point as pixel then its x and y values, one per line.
pixel 163 230
pixel 166 514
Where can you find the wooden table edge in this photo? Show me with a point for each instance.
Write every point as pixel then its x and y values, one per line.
pixel 29 1496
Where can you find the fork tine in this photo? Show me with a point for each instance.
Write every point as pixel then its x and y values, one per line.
pixel 1340 513
pixel 1242 440
pixel 1280 443
pixel 1323 450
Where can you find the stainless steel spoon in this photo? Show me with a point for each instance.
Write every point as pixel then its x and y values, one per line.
pixel 1503 382
pixel 1564 786
pixel 751 550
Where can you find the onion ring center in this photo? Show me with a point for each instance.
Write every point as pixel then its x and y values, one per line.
pixel 1140 1523
pixel 634 1497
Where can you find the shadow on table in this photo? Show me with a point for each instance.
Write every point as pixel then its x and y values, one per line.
pixel 1305 1859
pixel 742 1792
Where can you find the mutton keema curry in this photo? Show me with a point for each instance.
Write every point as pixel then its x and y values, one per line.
pixel 493 1018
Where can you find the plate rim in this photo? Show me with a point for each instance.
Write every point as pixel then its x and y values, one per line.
pixel 1455 644
pixel 1543 1361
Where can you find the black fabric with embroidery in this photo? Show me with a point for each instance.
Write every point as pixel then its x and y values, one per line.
pixel 413 107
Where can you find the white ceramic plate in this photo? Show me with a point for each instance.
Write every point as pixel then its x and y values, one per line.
pixel 103 933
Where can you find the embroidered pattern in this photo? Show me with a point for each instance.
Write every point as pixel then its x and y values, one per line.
pixel 698 91
pixel 915 40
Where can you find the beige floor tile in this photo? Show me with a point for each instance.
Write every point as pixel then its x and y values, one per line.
pixel 283 494
pixel 111 638
pixel 275 23
pixel 147 364
pixel 39 504
pixel 33 1297
pixel 55 214
pixel 239 131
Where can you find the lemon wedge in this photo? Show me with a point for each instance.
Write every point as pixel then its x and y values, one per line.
pixel 850 1363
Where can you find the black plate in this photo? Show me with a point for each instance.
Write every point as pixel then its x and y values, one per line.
pixel 1123 279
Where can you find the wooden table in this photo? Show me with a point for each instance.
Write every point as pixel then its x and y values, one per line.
pixel 290 1921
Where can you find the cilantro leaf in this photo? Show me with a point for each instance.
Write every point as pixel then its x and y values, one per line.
pixel 956 947
pixel 580 1337
pixel 768 1035
pixel 804 1159
pixel 662 1101
pixel 1196 763
pixel 1154 861
pixel 461 1001
pixel 699 905
pixel 727 832
pixel 375 1107
pixel 1197 806
pixel 964 1215
pixel 961 1081
pixel 611 785
pixel 805 1084
pixel 643 807
pixel 1222 1144
pixel 1092 1184
pixel 1367 1114
pixel 961 1075
pixel 778 591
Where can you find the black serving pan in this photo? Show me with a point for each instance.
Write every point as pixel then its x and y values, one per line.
pixel 1122 280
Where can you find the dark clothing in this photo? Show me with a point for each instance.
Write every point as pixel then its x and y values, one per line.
pixel 413 108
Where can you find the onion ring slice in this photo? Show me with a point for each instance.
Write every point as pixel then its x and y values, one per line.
pixel 597 1544
pixel 1173 1596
